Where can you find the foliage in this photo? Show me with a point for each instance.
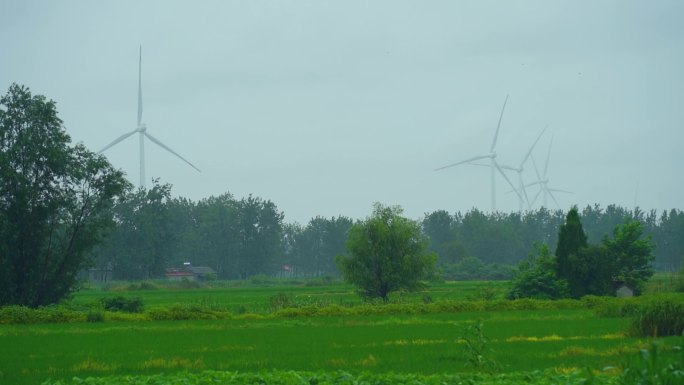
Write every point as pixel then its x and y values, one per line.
pixel 679 283
pixel 128 305
pixel 311 250
pixel 476 348
pixel 658 319
pixel 631 255
pixel 571 239
pixel 387 254
pixel 472 268
pixel 624 259
pixel 537 278
pixel 339 377
pixel 651 368
pixel 55 201
pixel 280 301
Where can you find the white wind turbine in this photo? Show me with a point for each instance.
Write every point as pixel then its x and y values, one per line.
pixel 522 192
pixel 543 182
pixel 493 164
pixel 142 130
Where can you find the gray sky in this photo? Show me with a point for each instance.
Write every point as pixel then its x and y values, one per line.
pixel 325 107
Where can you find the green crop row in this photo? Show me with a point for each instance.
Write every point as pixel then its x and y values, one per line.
pixel 604 306
pixel 337 378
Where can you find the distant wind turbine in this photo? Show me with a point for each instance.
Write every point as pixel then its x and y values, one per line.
pixel 142 130
pixel 522 192
pixel 543 181
pixel 493 164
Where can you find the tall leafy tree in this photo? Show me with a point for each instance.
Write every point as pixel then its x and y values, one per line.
pixel 55 201
pixel 387 253
pixel 571 238
pixel 631 253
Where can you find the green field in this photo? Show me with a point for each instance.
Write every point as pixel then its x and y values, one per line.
pixel 559 340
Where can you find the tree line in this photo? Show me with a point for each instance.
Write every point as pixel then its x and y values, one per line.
pixel 64 209
pixel 507 238
pixel 243 237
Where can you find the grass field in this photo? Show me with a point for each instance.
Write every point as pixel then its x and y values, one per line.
pixel 561 340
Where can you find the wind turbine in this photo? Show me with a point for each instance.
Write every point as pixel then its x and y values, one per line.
pixel 141 129
pixel 522 192
pixel 493 164
pixel 543 181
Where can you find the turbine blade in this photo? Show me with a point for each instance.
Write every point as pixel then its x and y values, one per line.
pixel 536 197
pixel 464 161
pixel 527 198
pixel 509 168
pixel 117 140
pixel 522 187
pixel 559 190
pixel 536 169
pixel 515 190
pixel 553 198
pixel 532 147
pixel 548 156
pixel 498 126
pixel 140 107
pixel 162 145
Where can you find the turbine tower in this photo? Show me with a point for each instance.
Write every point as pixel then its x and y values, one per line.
pixel 493 164
pixel 543 182
pixel 141 129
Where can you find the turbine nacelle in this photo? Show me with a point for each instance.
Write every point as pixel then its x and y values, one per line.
pixel 493 164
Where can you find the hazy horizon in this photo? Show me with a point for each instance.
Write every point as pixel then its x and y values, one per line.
pixel 326 108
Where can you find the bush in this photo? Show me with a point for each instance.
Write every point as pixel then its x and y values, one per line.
pixel 659 318
pixel 280 301
pixel 536 278
pixel 95 316
pixel 473 269
pixel 653 368
pixel 128 305
pixel 186 312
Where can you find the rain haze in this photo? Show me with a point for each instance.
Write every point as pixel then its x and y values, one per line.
pixel 326 107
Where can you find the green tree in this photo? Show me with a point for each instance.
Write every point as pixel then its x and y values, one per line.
pixel 537 277
pixel 624 258
pixel 387 253
pixel 571 238
pixel 55 201
pixel 631 255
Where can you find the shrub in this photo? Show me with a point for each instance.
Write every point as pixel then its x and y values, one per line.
pixel 537 278
pixel 95 316
pixel 186 312
pixel 280 301
pixel 128 305
pixel 652 368
pixel 16 314
pixel 659 318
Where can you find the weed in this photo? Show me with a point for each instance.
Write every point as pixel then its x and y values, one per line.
pixel 280 301
pixel 651 368
pixel 476 348
pixel 658 319
pixel 95 316
pixel 128 305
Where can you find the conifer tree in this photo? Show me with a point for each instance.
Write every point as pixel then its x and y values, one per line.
pixel 571 238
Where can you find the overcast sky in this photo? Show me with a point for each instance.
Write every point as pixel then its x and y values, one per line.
pixel 325 107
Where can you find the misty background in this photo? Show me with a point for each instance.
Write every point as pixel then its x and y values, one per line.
pixel 326 107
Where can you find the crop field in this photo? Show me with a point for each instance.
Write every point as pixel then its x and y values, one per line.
pixel 506 342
